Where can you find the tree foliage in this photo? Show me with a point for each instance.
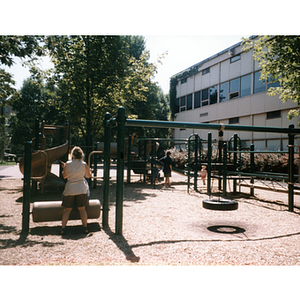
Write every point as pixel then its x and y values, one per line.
pixel 33 101
pixel 279 58
pixel 96 74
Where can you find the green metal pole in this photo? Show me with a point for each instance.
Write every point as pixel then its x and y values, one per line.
pixel 36 147
pixel 153 163
pixel 224 169
pixel 234 159
pixel 145 159
pixel 220 159
pixel 290 170
pixel 209 153
pixel 26 187
pixel 120 169
pixel 196 162
pixel 189 165
pixel 106 169
pixel 252 168
pixel 95 166
pixel 129 158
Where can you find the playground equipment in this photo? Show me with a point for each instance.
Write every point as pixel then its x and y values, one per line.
pixel 45 211
pixel 42 158
pixel 121 121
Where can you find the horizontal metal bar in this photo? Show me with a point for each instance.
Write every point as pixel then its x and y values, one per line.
pixel 258 175
pixel 245 151
pixel 168 124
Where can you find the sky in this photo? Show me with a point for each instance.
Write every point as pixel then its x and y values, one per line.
pixel 190 31
pixel 182 52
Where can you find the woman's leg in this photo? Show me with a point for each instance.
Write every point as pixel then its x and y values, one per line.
pixel 83 215
pixel 65 216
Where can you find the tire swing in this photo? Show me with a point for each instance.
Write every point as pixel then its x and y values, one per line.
pixel 220 204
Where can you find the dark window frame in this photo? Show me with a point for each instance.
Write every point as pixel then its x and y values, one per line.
pixel 273 114
pixel 189 102
pixel 235 120
pixel 235 58
pixel 206 71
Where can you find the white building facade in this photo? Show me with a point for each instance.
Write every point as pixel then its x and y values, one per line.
pixel 226 88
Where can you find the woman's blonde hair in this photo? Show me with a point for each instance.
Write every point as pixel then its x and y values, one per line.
pixel 77 153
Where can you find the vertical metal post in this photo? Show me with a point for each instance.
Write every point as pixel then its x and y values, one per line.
pixel 189 165
pixel 145 159
pixel 129 158
pixel 106 169
pixel 224 171
pixel 26 187
pixel 196 162
pixel 209 153
pixel 36 147
pixel 95 166
pixel 234 159
pixel 120 169
pixel 220 147
pixel 290 170
pixel 153 162
pixel 252 168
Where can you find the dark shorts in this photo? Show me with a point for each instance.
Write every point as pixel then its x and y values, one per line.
pixel 167 174
pixel 75 201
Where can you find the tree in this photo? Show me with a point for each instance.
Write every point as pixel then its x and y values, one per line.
pixel 33 101
pixel 279 58
pixel 11 47
pixel 96 74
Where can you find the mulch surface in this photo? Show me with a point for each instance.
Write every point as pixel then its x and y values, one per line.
pixel 161 227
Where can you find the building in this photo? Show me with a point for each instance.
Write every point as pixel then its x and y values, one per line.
pixel 225 88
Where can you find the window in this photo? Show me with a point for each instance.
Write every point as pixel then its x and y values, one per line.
pixel 246 85
pixel 213 95
pixel 235 58
pixel 204 115
pixel 272 84
pixel 234 88
pixel 182 103
pixel 205 71
pixel 274 114
pixel 234 120
pixel 204 100
pixel 197 99
pixel 258 86
pixel 189 102
pixel 224 92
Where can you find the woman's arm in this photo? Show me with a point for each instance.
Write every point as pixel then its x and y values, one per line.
pixel 64 173
pixel 88 171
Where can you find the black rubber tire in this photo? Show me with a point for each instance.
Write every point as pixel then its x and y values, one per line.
pixel 222 204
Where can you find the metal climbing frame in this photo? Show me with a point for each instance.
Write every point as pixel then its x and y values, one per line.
pixel 122 122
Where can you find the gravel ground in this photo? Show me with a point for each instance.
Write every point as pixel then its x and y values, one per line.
pixel 161 226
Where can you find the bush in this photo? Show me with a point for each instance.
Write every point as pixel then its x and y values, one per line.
pixel 263 162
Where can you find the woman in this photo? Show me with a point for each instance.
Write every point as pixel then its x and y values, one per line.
pixel 76 189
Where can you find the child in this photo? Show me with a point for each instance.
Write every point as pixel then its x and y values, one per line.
pixel 203 174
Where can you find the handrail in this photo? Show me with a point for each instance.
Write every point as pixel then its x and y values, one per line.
pixel 46 166
pixel 89 160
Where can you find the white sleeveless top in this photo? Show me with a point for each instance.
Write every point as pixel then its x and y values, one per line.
pixel 76 183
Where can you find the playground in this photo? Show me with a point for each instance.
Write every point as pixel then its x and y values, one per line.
pixel 136 220
pixel 161 226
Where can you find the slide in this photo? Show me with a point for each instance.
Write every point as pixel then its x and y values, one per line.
pixel 42 160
